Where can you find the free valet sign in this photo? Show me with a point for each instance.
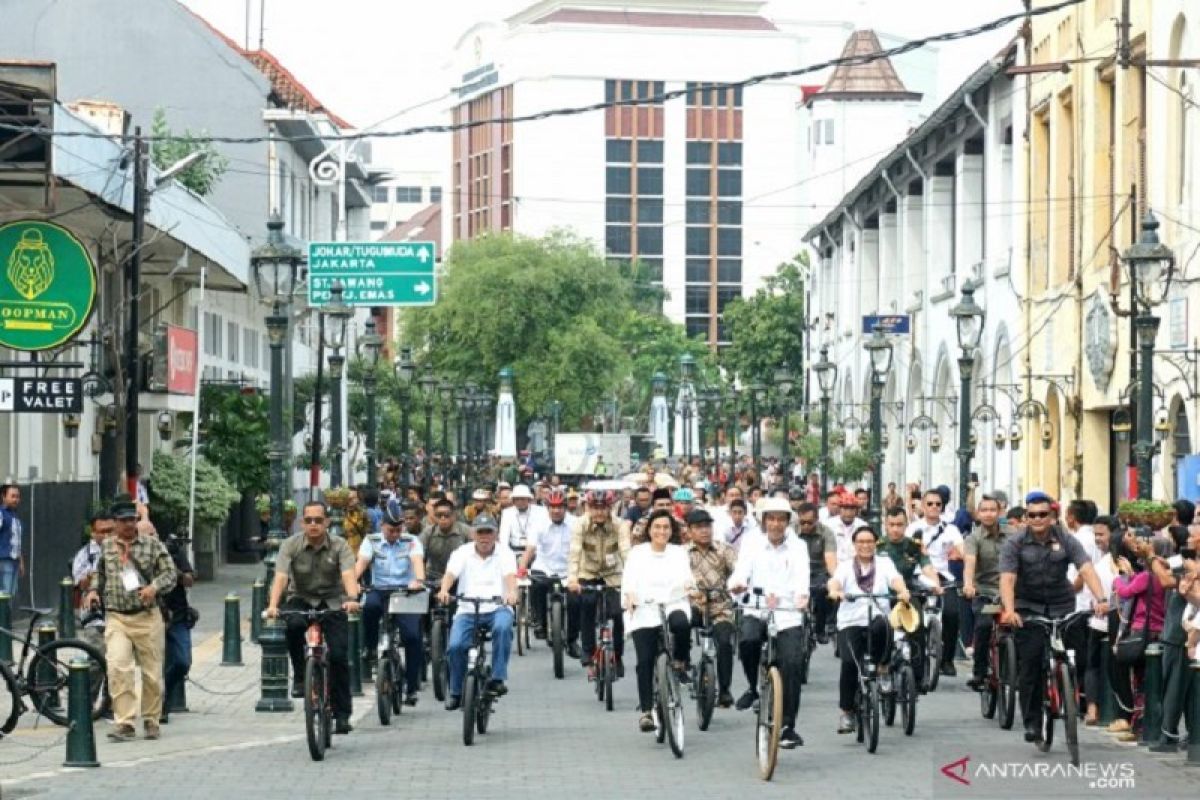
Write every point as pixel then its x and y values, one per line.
pixel 373 273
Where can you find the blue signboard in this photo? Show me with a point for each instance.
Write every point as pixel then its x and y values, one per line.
pixel 894 323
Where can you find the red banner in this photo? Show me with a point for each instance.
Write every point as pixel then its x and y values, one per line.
pixel 182 349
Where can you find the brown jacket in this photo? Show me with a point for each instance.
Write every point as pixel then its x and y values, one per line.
pixel 598 552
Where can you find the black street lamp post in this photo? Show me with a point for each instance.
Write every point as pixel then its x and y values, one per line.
pixel 969 318
pixel 370 347
pixel 337 315
pixel 826 377
pixel 428 394
pixel 784 383
pixel 446 395
pixel 732 405
pixel 757 394
pixel 880 351
pixel 404 370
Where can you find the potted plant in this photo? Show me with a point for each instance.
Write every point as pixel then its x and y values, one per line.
pixel 1150 513
pixel 262 504
pixel 338 498
pixel 289 513
pixel 170 498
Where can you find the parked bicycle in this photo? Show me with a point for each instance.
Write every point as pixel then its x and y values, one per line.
pixel 389 677
pixel 1060 697
pixel 42 674
pixel 477 698
pixel 999 691
pixel 318 704
pixel 604 657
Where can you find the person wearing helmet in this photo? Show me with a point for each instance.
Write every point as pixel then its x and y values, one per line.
pixel 397 562
pixel 597 558
pixel 523 520
pixel 779 568
pixel 843 525
pixel 546 554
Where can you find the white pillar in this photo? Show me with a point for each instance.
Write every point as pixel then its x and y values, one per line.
pixel 686 398
pixel 939 217
pixel 968 215
pixel 506 417
pixel 891 279
pixel 659 423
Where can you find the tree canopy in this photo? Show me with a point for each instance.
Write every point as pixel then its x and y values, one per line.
pixel 767 329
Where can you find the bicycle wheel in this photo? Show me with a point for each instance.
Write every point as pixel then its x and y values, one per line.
pixel 1050 708
pixel 908 699
pixel 706 693
pixel 1070 711
pixel 10 700
pixel 933 656
pixel 521 622
pixel 989 698
pixel 315 719
pixel 470 697
pixel 888 702
pixel 770 723
pixel 806 651
pixel 48 676
pixel 610 671
pixel 1008 683
pixel 383 691
pixel 871 716
pixel 556 637
pixel 439 665
pixel 398 683
pixel 672 703
pixel 484 712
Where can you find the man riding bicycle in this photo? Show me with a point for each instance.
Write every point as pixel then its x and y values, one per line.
pixel 548 553
pixel 317 570
pixel 522 521
pixel 981 578
pixel 712 565
pixel 1033 580
pixel 482 570
pixel 911 562
pixel 397 562
pixel 779 568
pixel 597 558
pixel 820 541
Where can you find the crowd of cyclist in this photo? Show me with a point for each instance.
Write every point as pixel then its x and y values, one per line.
pixel 699 551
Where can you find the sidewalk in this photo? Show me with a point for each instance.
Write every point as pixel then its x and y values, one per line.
pixel 220 699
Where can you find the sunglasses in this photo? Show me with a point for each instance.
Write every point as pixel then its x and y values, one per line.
pixel 442 515
pixel 933 503
pixel 313 520
pixel 1037 514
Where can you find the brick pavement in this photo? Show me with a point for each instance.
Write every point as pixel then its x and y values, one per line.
pixel 553 736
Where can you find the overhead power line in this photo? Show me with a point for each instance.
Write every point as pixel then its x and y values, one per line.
pixel 657 99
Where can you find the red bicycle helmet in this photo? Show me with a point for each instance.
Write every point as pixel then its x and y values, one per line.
pixel 556 497
pixel 596 497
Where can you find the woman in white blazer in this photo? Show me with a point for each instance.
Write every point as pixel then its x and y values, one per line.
pixel 657 571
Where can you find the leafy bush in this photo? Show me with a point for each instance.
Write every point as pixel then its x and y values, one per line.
pixel 170 487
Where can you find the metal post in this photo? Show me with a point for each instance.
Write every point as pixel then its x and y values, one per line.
pixel 1147 328
pixel 66 608
pixel 404 398
pixel 966 366
pixel 369 392
pixel 428 443
pixel 445 442
pixel 134 274
pixel 336 363
pixel 277 323
pixel 274 674
pixel 876 448
pixel 46 676
pixel 824 445
pixel 81 740
pixel 1193 750
pixel 1152 690
pixel 6 624
pixel 258 603
pixel 231 652
pixel 314 469
pixel 356 643
pixel 754 447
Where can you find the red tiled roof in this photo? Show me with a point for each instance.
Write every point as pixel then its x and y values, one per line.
pixel 425 225
pixel 808 91
pixel 651 19
pixel 872 79
pixel 287 87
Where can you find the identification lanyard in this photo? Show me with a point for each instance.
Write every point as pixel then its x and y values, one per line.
pixel 130 579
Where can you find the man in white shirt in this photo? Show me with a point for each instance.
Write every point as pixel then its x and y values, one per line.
pixel 482 570
pixel 547 554
pixel 844 524
pixel 84 564
pixel 832 504
pixel 522 521
pixel 777 573
pixel 734 526
pixel 942 542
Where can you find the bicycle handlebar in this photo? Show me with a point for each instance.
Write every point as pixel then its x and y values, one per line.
pixel 1061 622
pixel 309 614
pixel 853 598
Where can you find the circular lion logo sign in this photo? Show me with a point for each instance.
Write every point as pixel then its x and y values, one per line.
pixel 47 285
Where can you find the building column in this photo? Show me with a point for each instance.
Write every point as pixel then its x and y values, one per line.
pixel 891 278
pixel 869 275
pixel 968 214
pixel 939 219
pixel 912 248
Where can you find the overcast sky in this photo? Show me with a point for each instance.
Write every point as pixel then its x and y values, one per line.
pixel 369 59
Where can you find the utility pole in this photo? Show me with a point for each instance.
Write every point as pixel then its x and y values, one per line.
pixel 134 271
pixel 1124 46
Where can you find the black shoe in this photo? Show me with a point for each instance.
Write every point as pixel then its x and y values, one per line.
pixel 453 703
pixel 497 688
pixel 976 684
pixel 747 699
pixel 822 637
pixel 342 725
pixel 620 668
pixel 297 690
pixel 585 661
pixel 789 739
pixel 410 699
pixel 1033 732
pixel 164 719
pixel 949 670
pixel 539 632
pixel 573 649
pixel 725 700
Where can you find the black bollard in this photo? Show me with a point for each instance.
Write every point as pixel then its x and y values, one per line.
pixel 6 623
pixel 274 675
pixel 47 677
pixel 1193 750
pixel 1152 691
pixel 231 652
pixel 66 608
pixel 258 602
pixel 81 739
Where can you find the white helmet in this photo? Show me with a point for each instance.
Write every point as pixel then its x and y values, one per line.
pixel 521 491
pixel 767 505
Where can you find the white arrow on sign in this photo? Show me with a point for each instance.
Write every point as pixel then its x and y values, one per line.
pixel 422 288
pixel 423 254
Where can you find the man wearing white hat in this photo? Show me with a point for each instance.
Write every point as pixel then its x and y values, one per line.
pixel 522 521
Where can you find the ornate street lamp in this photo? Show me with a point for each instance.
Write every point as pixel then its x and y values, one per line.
pixel 370 347
pixel 1151 264
pixel 404 370
pixel 758 398
pixel 826 378
pixel 428 385
pixel 784 383
pixel 337 317
pixel 446 395
pixel 969 318
pixel 880 350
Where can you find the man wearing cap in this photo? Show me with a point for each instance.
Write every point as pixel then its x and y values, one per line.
pixel 547 554
pixel 1033 580
pixel 712 564
pixel 685 501
pixel 133 572
pixel 397 562
pixel 482 569
pixel 573 505
pixel 779 568
pixel 523 520
pixel 480 504
pixel 941 541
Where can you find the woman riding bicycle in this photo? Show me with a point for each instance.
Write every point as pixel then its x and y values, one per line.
pixel 657 571
pixel 866 573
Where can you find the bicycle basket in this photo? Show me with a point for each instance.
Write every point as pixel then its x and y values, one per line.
pixel 405 603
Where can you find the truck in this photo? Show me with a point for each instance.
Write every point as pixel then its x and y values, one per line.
pixel 578 453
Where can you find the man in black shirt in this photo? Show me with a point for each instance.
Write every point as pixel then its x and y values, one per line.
pixel 178 657
pixel 1033 580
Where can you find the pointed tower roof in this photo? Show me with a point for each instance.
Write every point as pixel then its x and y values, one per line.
pixel 872 80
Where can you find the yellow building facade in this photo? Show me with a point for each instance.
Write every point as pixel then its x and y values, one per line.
pixel 1109 138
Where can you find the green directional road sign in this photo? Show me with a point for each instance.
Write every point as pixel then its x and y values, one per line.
pixel 373 273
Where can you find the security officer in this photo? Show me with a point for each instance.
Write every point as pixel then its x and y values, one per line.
pixel 1033 580
pixel 397 562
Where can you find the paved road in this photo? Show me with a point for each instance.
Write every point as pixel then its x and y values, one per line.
pixel 553 737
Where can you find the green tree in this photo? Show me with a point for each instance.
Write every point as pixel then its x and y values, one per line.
pixel 767 329
pixel 235 433
pixel 169 147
